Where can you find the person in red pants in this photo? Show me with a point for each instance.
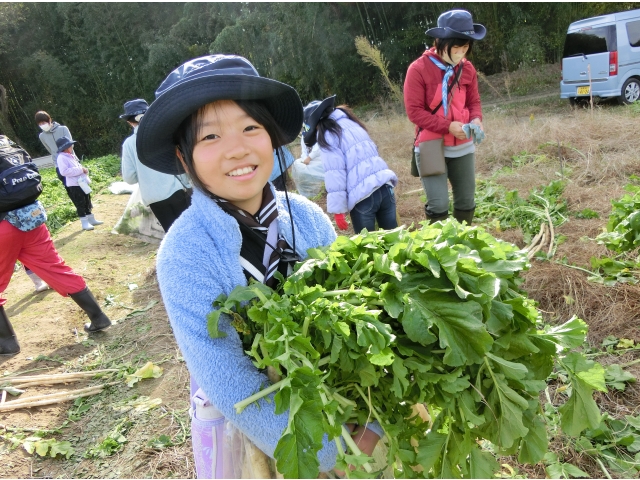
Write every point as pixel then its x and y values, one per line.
pixel 25 237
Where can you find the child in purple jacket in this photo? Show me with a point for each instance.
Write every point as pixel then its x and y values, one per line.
pixel 358 181
pixel 73 172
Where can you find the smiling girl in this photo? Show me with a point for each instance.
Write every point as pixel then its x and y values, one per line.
pixel 217 119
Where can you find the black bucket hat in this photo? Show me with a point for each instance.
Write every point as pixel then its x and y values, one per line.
pixel 63 143
pixel 134 107
pixel 312 115
pixel 201 81
pixel 457 24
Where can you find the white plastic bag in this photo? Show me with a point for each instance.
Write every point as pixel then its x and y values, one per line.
pixel 83 183
pixel 309 179
pixel 139 221
pixel 120 188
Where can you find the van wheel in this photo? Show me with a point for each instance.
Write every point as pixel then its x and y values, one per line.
pixel 630 91
pixel 578 102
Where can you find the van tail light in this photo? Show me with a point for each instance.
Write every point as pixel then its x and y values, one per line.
pixel 613 63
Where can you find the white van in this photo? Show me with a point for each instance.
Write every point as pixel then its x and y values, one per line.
pixel 602 58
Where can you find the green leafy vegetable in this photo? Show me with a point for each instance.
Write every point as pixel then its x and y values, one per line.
pixel 382 321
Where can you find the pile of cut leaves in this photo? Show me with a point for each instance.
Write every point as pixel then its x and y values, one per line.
pixel 381 322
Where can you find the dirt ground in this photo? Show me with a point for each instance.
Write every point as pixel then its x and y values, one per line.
pixel 49 328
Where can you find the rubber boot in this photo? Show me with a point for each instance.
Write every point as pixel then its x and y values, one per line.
pixel 433 218
pixel 464 215
pixel 8 341
pixel 85 224
pixel 91 219
pixel 87 302
pixel 40 284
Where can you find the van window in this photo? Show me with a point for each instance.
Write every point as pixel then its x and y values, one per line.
pixel 633 31
pixel 590 41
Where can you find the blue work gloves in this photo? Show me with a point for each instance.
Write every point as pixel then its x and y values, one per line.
pixel 472 130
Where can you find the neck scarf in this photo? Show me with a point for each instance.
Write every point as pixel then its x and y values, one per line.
pixel 258 226
pixel 448 72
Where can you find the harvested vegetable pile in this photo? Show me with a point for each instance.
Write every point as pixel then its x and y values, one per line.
pixel 383 321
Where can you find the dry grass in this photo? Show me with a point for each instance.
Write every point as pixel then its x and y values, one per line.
pixel 598 144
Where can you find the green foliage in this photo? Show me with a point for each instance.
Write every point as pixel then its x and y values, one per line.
pixel 558 469
pixel 112 443
pixel 60 210
pixel 509 210
pixel 616 442
pixel 587 213
pixel 34 442
pixel 382 321
pixel 609 272
pixel 623 227
pixel 50 447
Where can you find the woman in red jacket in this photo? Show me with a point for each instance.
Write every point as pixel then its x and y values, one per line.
pixel 437 115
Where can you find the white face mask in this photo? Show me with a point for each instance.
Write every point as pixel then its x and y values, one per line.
pixel 45 127
pixel 454 59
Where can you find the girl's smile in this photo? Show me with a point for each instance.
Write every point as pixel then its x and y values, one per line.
pixel 233 155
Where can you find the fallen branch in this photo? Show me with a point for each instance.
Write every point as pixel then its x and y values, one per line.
pixel 53 398
pixel 58 375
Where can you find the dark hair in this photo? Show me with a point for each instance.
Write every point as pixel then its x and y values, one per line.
pixel 186 136
pixel 329 125
pixel 42 116
pixel 446 44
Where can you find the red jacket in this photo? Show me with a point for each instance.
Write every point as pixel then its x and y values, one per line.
pixel 423 92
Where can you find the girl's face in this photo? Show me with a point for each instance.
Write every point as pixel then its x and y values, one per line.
pixel 457 54
pixel 233 156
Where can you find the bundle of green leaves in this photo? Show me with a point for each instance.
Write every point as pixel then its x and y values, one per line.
pixel 379 322
pixel 623 227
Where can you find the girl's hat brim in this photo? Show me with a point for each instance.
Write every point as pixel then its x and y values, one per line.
pixel 63 143
pixel 313 114
pixel 478 32
pixel 155 145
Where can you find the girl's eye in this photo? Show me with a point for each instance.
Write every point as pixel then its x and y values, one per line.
pixel 251 128
pixel 211 136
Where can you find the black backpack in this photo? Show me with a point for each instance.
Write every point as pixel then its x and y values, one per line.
pixel 20 182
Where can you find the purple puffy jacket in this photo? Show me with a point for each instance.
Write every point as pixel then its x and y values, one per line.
pixel 353 170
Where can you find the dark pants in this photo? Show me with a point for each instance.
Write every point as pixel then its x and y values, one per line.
pixel 167 210
pixel 81 200
pixel 63 179
pixel 461 174
pixel 380 206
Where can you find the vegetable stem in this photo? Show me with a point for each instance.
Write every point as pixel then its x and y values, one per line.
pixel 240 406
pixel 628 364
pixel 305 325
pixel 603 467
pixel 341 400
pixel 371 407
pixel 335 293
pixel 354 448
pixel 324 361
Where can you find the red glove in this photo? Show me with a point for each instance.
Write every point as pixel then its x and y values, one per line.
pixel 341 221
